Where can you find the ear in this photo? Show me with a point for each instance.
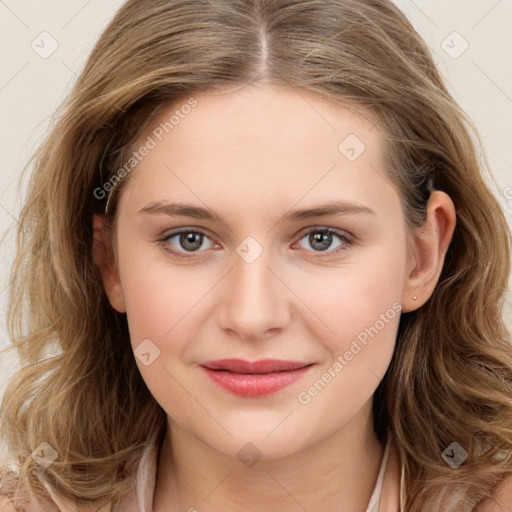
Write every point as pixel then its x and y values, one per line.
pixel 427 251
pixel 103 256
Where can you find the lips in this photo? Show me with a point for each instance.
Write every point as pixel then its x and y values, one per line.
pixel 254 379
pixel 262 366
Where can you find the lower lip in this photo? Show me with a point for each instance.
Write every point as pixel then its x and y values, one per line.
pixel 254 385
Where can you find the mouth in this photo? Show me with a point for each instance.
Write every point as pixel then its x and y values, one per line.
pixel 254 379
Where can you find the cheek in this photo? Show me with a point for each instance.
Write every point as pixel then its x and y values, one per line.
pixel 165 306
pixel 363 312
pixel 162 303
pixel 361 297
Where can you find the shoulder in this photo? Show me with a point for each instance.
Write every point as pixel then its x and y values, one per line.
pixel 501 501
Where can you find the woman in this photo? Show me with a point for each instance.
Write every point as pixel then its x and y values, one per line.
pixel 259 268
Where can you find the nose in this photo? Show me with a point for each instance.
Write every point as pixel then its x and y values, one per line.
pixel 255 301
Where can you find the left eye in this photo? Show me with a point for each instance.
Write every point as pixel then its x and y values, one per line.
pixel 321 239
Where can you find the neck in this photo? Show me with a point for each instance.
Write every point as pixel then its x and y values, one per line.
pixel 336 473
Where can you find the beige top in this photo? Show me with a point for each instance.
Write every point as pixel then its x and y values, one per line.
pixel 374 504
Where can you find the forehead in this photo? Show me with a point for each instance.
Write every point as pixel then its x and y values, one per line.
pixel 260 141
pixel 261 112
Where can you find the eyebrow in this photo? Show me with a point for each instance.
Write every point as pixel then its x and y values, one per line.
pixel 197 212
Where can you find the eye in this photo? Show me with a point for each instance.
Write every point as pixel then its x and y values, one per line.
pixel 187 242
pixel 183 241
pixel 321 240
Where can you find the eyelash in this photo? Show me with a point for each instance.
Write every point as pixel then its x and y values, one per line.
pixel 345 238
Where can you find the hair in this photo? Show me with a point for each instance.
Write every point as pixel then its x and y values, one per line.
pixel 79 388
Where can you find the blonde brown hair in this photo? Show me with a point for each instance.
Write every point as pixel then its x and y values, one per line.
pixel 79 389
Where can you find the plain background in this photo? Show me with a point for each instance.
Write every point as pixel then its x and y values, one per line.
pixel 471 42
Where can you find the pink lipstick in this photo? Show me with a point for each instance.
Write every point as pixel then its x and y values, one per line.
pixel 254 379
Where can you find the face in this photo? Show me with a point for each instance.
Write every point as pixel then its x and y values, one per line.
pixel 293 247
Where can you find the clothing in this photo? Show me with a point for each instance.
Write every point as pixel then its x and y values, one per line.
pixel 374 504
pixel 385 496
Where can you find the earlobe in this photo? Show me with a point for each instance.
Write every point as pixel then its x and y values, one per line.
pixel 104 260
pixel 428 251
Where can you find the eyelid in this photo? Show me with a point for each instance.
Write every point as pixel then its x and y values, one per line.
pixel 186 229
pixel 337 231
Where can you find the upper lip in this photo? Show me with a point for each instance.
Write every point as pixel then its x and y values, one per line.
pixel 261 366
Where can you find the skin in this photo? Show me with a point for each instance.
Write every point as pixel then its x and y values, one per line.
pixel 252 155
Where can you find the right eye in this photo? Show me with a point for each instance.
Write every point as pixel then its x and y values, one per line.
pixel 183 241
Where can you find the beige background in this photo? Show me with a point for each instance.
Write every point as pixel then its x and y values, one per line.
pixel 44 46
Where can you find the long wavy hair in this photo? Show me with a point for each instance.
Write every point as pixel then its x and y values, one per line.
pixel 79 388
